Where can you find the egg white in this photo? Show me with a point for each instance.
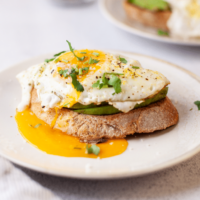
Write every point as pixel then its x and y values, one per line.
pixel 185 18
pixel 54 91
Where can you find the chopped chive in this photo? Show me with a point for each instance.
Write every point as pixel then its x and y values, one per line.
pixel 123 60
pixel 83 52
pixel 86 62
pixel 95 53
pixel 72 50
pixel 93 61
pixel 58 54
pixel 56 60
pixel 49 60
pixel 65 104
pixel 76 68
pixel 36 126
pixel 65 60
pixel 80 71
pixel 163 33
pixel 135 67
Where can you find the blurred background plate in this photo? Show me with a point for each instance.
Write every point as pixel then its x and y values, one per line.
pixel 146 153
pixel 113 11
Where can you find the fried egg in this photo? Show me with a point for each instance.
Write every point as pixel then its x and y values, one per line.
pixel 56 89
pixel 185 18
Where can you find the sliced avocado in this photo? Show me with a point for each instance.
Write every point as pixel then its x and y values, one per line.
pixel 102 110
pixel 105 109
pixel 153 5
pixel 78 106
pixel 161 95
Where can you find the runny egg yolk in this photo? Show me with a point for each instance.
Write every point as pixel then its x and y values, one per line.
pixel 94 54
pixel 55 142
pixel 69 58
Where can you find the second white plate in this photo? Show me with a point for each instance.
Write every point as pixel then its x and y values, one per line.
pixel 145 154
pixel 113 11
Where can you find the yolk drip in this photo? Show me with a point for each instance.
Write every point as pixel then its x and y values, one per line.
pixel 55 142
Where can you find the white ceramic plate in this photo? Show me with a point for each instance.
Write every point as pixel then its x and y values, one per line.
pixel 114 12
pixel 145 154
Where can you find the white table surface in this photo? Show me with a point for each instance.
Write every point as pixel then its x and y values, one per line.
pixel 33 27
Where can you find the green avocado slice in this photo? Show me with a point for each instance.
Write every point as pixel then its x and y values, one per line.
pixel 161 95
pixel 105 109
pixel 78 106
pixel 153 5
pixel 102 110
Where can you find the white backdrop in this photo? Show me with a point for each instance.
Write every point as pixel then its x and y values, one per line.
pixel 33 27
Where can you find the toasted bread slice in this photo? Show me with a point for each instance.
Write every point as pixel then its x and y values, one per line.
pixel 156 19
pixel 92 128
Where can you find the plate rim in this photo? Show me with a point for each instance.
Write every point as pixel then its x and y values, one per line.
pixel 123 26
pixel 127 174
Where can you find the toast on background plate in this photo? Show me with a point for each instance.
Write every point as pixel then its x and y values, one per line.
pixel 154 18
pixel 180 18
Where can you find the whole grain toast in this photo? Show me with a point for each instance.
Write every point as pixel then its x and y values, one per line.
pixel 156 19
pixel 92 128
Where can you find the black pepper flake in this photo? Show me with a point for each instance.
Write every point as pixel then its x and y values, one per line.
pixel 96 77
pixel 43 106
pixel 147 79
pixel 129 97
pixel 66 82
pixel 52 71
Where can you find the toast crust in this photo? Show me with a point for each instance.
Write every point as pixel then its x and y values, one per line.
pixel 156 19
pixel 92 128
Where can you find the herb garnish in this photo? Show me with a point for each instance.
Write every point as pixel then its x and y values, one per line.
pixel 56 55
pixel 76 83
pixel 56 60
pixel 197 103
pixel 93 149
pixel 135 67
pixel 123 60
pixel 95 53
pixel 36 126
pixel 72 50
pixel 83 70
pixel 74 72
pixel 92 61
pixel 113 81
pixel 83 52
pixel 64 60
pixel 49 60
pixel 163 33
pixel 64 73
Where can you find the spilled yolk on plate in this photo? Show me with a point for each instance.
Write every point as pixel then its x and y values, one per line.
pixel 55 142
